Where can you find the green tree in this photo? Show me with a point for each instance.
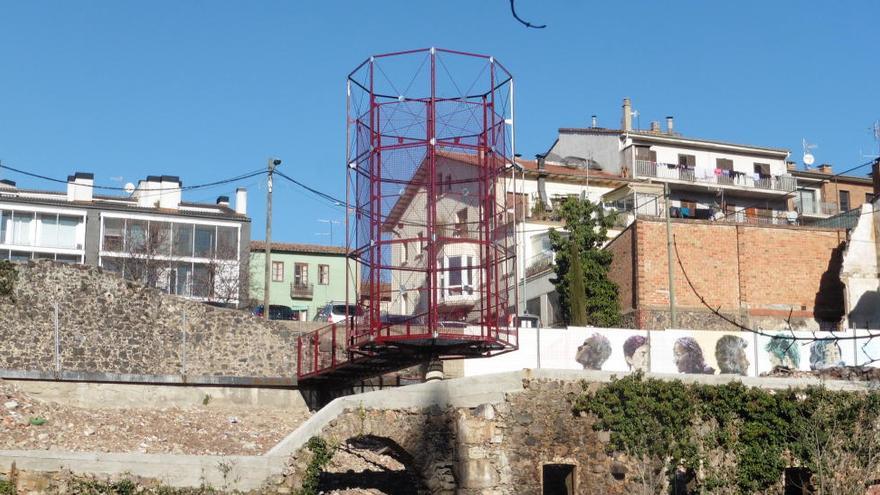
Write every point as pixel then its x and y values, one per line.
pixel 584 280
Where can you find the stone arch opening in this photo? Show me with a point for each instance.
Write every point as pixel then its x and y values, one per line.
pixel 370 462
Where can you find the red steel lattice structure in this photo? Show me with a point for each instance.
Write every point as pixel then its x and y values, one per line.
pixel 430 229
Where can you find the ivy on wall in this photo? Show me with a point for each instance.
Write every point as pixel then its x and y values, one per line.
pixel 740 439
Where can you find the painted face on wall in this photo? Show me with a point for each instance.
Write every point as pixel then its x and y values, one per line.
pixel 825 353
pixel 688 357
pixel 639 360
pixel 731 355
pixel 783 351
pixel 593 353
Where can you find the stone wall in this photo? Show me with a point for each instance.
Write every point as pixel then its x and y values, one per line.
pixel 498 449
pixel 758 275
pixel 109 329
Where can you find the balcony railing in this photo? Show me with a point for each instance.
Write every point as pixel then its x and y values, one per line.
pixel 645 168
pixel 539 263
pixel 816 208
pixel 301 291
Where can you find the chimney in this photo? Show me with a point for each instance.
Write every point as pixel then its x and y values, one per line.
pixel 80 186
pixel 241 201
pixel 670 124
pixel 223 201
pixel 7 184
pixel 594 122
pixel 791 166
pixel 540 160
pixel 147 191
pixel 170 197
pixel 626 123
pixel 825 168
pixel 655 126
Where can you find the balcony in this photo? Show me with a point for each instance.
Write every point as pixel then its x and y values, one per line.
pixel 650 169
pixel 539 263
pixel 301 291
pixel 816 208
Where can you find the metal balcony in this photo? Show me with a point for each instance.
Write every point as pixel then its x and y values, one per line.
pixel 301 291
pixel 657 170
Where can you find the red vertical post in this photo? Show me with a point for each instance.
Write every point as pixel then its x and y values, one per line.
pixel 431 228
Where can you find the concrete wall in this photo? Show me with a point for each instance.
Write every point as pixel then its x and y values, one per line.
pixel 758 275
pixel 109 329
pixel 860 273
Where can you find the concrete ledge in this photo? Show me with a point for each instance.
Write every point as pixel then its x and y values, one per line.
pixel 92 376
pixel 244 472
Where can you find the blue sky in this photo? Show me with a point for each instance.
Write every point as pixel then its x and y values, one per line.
pixel 207 90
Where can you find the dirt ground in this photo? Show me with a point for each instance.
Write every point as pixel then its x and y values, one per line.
pixel 367 470
pixel 29 424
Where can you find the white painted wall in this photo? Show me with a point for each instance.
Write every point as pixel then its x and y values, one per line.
pixel 706 160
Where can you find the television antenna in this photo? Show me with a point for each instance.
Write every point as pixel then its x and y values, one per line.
pixel 809 159
pixel 330 223
pixel 875 131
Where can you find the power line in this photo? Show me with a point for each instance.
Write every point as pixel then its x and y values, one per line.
pixel 246 175
pixel 312 190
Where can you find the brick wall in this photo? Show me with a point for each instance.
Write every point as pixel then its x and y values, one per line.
pixel 758 275
pixel 621 268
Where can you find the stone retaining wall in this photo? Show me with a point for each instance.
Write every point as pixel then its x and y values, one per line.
pixel 117 330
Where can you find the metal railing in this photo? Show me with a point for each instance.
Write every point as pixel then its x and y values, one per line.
pixel 301 291
pixel 646 168
pixel 815 207
pixel 539 263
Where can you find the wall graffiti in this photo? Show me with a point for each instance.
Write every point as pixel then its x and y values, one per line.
pixel 679 351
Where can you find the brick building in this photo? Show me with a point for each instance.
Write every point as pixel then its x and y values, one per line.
pixel 759 275
pixel 821 193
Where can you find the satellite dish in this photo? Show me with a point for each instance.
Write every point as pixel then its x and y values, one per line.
pixel 809 159
pixel 129 188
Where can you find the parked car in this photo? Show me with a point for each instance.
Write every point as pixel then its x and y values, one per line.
pixel 334 312
pixel 276 312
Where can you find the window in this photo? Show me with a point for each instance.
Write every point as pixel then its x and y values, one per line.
pixel 5 218
pixel 202 280
pixel 689 161
pixel 644 153
pixel 448 183
pixel 724 164
pixel 324 274
pixel 159 241
pixel 458 275
pixel 181 280
pixel 227 243
pixel 21 228
pixel 136 236
pixel 869 197
pixel 67 231
pixel 113 229
pixel 807 201
pixel 301 274
pixel 844 201
pixel 278 271
pixel 558 479
pixel 461 225
pixel 182 239
pixel 204 241
pixel 763 170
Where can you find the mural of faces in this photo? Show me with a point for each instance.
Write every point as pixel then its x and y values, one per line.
pixel 593 353
pixel 635 352
pixel 783 351
pixel 825 353
pixel 730 353
pixel 689 357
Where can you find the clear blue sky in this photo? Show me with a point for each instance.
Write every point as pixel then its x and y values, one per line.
pixel 210 89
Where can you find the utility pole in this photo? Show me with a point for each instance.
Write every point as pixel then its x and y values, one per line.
pixel 669 246
pixel 273 162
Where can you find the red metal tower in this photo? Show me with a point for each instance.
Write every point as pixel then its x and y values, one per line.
pixel 430 229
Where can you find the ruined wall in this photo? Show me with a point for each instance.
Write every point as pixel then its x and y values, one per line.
pixel 498 449
pixel 108 328
pixel 757 275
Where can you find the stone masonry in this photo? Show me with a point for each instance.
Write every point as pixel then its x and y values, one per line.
pixel 109 329
pixel 759 275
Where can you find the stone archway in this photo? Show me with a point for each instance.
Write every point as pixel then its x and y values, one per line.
pixel 374 463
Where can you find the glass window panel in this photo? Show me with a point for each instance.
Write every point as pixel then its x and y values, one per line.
pixel 109 264
pixel 68 258
pixel 203 281
pixel 5 219
pixel 160 238
pixel 204 241
pixel 4 254
pixel 454 271
pixel 21 228
pixel 113 230
pixel 136 236
pixel 48 230
pixel 183 239
pixel 67 231
pixel 20 256
pixel 227 243
pixel 182 279
pixel 44 256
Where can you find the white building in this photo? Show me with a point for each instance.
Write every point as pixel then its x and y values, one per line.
pixel 196 250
